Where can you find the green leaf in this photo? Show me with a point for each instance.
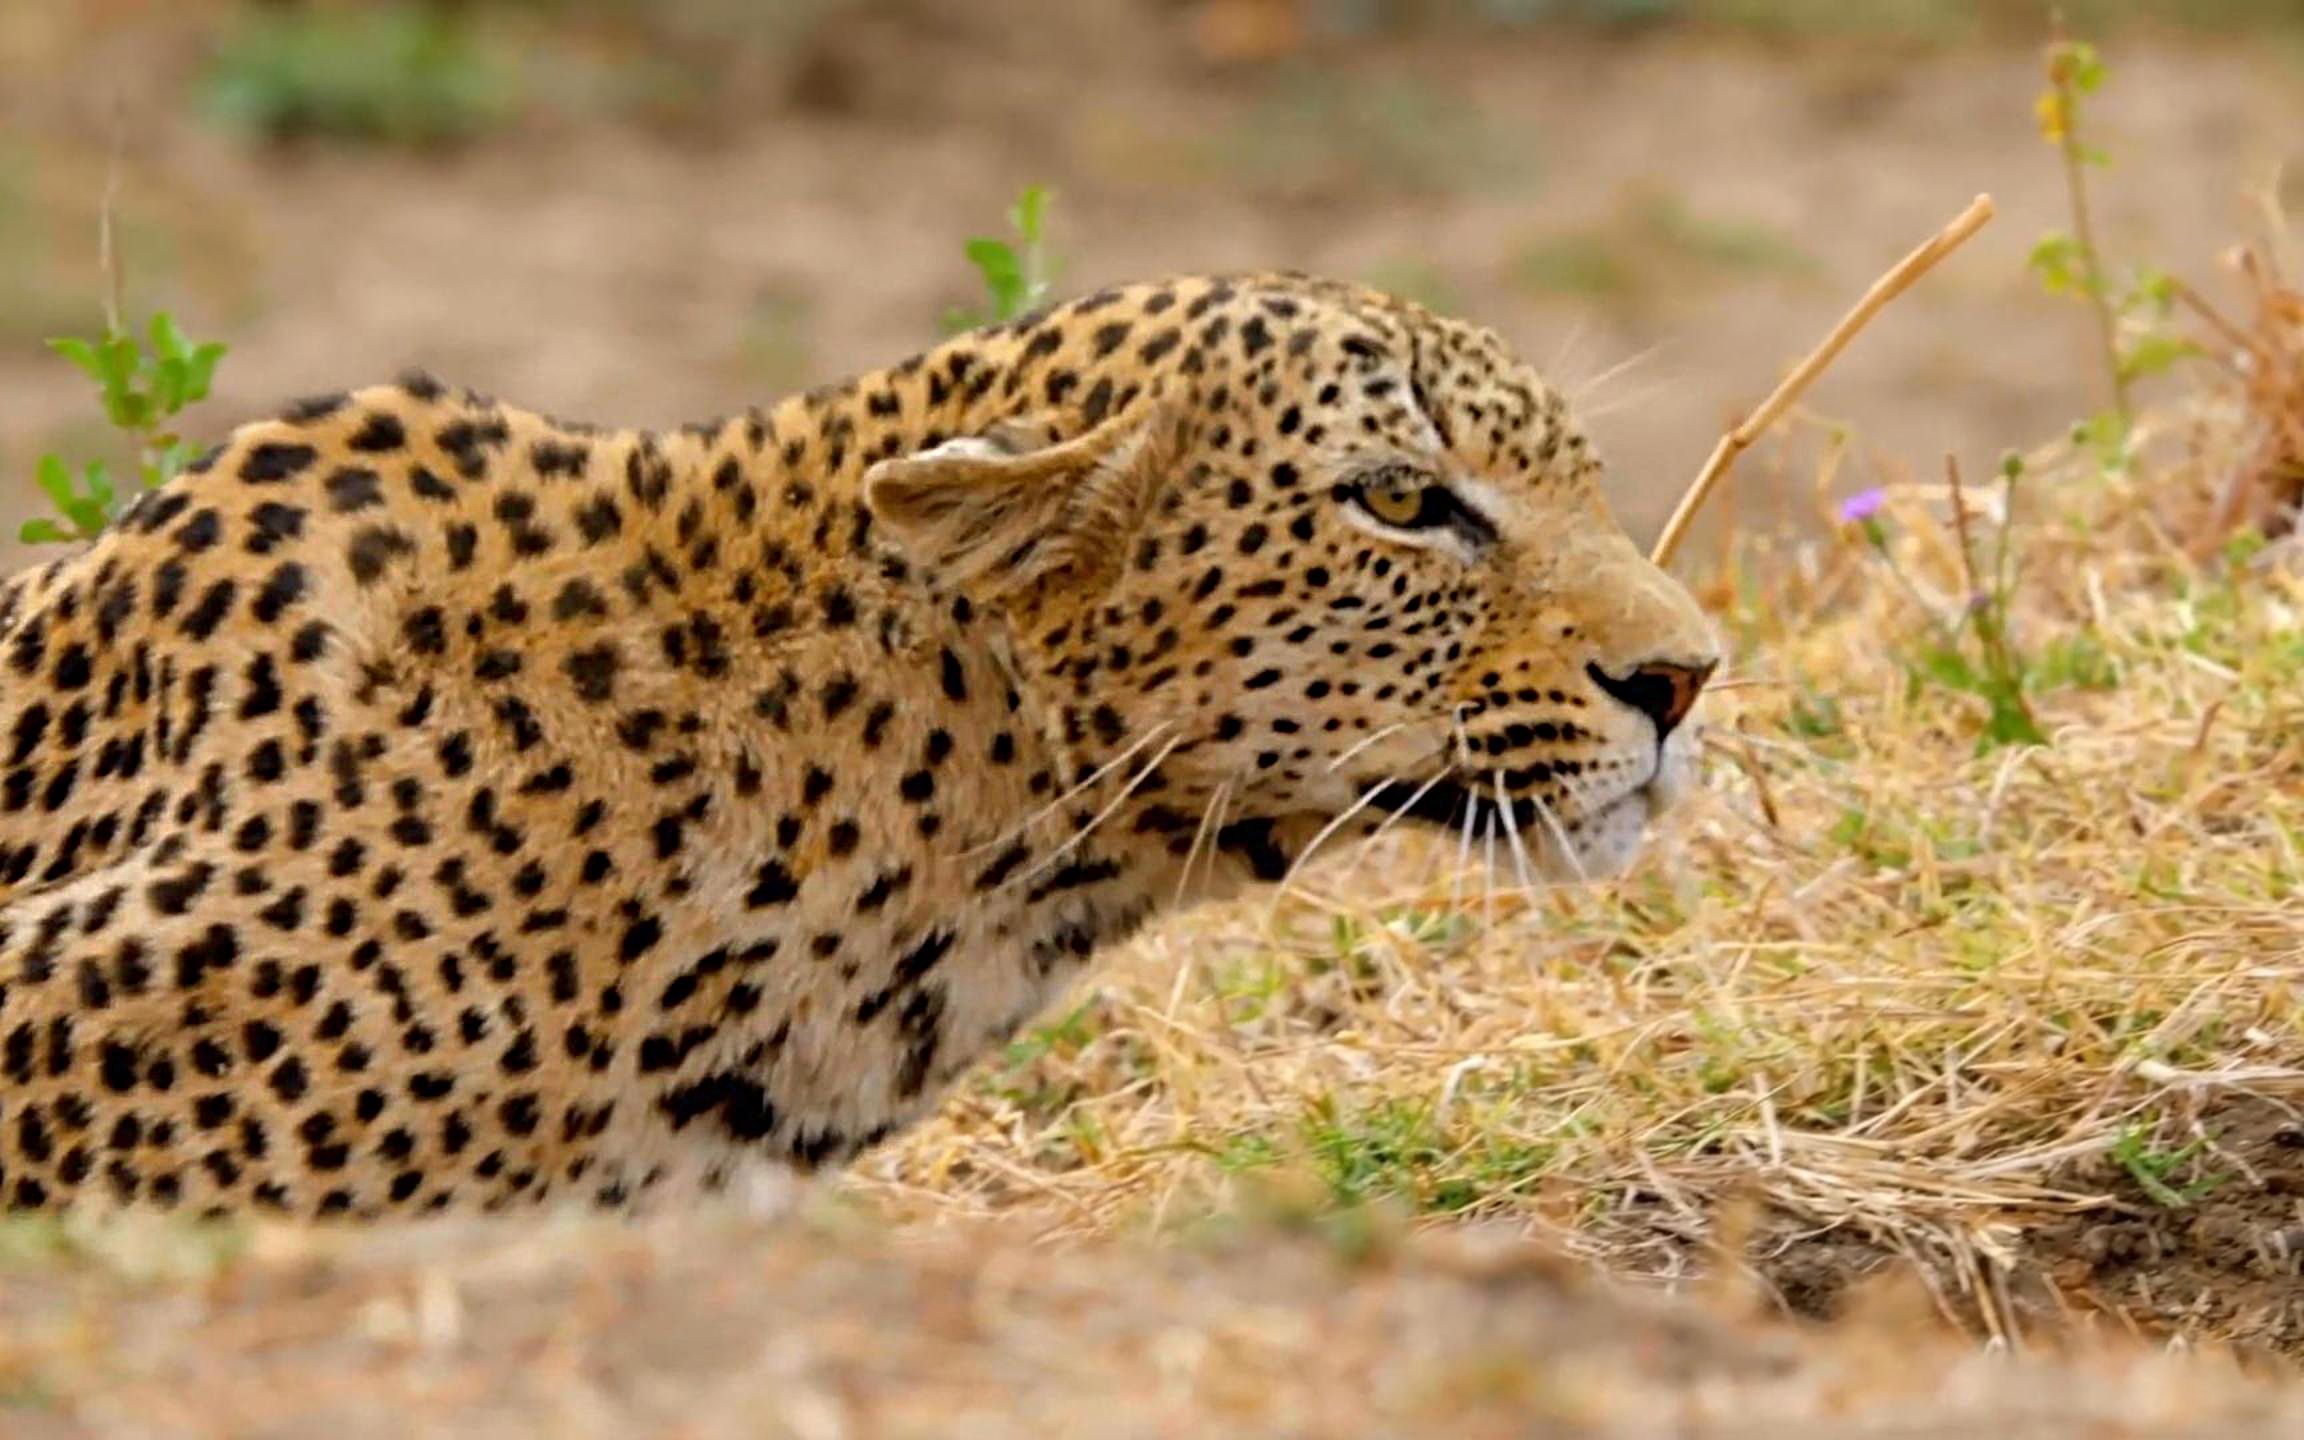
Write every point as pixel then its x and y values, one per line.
pixel 2154 354
pixel 118 358
pixel 1029 213
pixel 1003 272
pixel 2087 73
pixel 2157 289
pixel 130 409
pixel 99 483
pixel 168 342
pixel 87 517
pixel 2011 721
pixel 2056 260
pixel 81 354
pixel 1949 668
pixel 42 532
pixel 54 480
pixel 202 365
pixel 170 378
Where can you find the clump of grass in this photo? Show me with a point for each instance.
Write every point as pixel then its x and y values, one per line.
pixel 1970 645
pixel 401 72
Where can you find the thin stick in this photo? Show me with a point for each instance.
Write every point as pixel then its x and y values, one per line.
pixel 1883 290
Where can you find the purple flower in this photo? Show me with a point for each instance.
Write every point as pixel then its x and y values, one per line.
pixel 1861 506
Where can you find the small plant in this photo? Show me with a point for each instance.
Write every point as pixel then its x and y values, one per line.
pixel 2154 1167
pixel 1974 651
pixel 2132 310
pixel 1017 275
pixel 142 385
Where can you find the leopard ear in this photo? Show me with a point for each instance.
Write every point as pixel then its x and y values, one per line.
pixel 999 513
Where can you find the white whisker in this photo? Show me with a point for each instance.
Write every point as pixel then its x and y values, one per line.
pixel 1560 838
pixel 1058 803
pixel 1367 798
pixel 1582 391
pixel 1519 847
pixel 1463 861
pixel 1488 869
pixel 1101 816
pixel 1388 731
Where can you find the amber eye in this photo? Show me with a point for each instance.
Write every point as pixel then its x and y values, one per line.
pixel 1405 499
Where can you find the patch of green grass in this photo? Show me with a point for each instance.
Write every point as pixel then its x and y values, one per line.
pixel 2160 1171
pixel 1394 1150
pixel 397 72
pixel 1586 265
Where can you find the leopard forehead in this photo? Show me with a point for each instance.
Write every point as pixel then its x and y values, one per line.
pixel 423 803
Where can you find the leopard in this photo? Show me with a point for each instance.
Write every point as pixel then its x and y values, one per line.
pixel 425 804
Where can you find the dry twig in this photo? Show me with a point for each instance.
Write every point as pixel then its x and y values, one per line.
pixel 1885 289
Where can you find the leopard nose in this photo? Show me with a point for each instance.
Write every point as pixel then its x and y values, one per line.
pixel 1661 690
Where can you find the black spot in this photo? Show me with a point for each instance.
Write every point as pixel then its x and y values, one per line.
pixel 272 462
pixel 379 432
pixel 373 548
pixel 593 671
pixel 354 489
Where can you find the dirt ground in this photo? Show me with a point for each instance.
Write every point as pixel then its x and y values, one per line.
pixel 1663 219
pixel 718 1326
pixel 2227 1263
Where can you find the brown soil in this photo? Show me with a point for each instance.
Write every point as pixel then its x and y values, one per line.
pixel 716 1326
pixel 2216 1255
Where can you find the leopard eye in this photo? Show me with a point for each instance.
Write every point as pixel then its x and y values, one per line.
pixel 1393 497
pixel 1406 499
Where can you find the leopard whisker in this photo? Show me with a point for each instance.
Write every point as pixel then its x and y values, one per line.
pixel 1376 737
pixel 1519 847
pixel 1560 838
pixel 1489 824
pixel 1367 798
pixel 1100 816
pixel 1402 813
pixel 1463 861
pixel 1029 821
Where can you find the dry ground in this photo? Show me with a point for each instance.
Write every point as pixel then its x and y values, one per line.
pixel 716 1327
pixel 2021 1027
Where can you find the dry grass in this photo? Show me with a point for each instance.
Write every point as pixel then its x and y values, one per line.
pixel 1900 992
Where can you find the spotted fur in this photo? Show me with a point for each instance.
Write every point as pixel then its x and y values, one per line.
pixel 424 804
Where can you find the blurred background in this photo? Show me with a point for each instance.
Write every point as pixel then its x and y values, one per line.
pixel 642 211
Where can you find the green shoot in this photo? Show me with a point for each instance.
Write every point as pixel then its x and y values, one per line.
pixel 1016 275
pixel 142 384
